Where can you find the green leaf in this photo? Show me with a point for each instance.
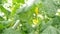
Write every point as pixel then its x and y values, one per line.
pixel 1 26
pixel 1 18
pixel 48 8
pixel 11 31
pixel 0 1
pixel 56 22
pixel 50 30
pixel 18 1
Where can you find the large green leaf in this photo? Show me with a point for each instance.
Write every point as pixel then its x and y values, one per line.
pixel 56 22
pixel 57 3
pixel 48 7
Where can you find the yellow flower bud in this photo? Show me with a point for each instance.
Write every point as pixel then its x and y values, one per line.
pixel 35 21
pixel 36 10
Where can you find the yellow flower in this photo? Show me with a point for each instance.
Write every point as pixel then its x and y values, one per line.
pixel 36 10
pixel 35 21
pixel 12 8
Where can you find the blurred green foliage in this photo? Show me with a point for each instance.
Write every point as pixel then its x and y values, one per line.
pixel 48 21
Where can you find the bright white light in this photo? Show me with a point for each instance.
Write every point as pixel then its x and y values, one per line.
pixel 58 10
pixel 6 5
pixel 15 25
pixel 30 2
pixel 56 14
pixel 9 19
pixel 5 17
pixel 10 1
pixel 1 14
pixel 39 15
pixel 34 14
pixel 20 24
pixel 25 1
pixel 46 16
pixel 33 25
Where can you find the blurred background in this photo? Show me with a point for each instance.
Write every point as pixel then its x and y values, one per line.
pixel 29 16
